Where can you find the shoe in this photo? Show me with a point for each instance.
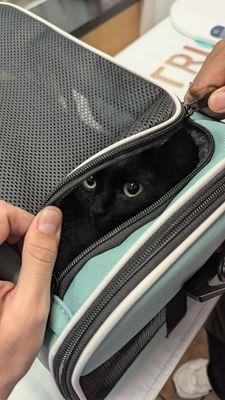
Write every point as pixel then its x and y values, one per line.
pixel 191 380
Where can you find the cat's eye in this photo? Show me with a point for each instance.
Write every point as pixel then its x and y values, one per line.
pixel 90 183
pixel 132 189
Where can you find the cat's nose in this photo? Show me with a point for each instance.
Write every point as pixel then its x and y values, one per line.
pixel 98 206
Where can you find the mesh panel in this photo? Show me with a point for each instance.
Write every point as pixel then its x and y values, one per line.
pixel 101 381
pixel 59 104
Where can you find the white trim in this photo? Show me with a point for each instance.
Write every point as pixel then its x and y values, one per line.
pixel 145 236
pixel 112 60
pixel 134 296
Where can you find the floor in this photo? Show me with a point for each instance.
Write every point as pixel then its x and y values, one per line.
pixel 197 349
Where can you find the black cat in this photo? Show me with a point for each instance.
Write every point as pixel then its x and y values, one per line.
pixel 116 193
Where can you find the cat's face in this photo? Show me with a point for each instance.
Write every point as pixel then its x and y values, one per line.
pixel 120 191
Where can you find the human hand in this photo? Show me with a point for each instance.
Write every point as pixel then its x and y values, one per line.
pixel 24 307
pixel 211 79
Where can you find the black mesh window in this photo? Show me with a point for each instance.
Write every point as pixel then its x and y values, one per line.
pixel 101 381
pixel 59 104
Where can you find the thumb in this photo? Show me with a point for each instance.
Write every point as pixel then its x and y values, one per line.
pixel 216 101
pixel 39 256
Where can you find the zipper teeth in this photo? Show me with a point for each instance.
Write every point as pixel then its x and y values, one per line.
pixel 59 278
pixel 114 153
pixel 181 222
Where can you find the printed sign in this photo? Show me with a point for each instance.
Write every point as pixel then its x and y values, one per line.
pixel 166 56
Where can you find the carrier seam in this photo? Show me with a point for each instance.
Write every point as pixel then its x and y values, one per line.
pixel 63 311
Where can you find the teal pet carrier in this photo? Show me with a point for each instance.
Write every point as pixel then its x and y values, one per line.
pixel 68 111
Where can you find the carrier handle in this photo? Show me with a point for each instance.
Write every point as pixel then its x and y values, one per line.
pixel 198 286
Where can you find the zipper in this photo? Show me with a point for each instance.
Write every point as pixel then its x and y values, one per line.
pixel 58 279
pixel 187 111
pixel 55 198
pixel 185 219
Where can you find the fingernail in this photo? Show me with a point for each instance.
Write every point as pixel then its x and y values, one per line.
pixel 49 221
pixel 217 102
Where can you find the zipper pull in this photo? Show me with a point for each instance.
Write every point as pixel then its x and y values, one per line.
pixel 188 109
pixel 196 105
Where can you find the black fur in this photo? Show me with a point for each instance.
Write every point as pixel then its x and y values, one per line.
pixel 87 215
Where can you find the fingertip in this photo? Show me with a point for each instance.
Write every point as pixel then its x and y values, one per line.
pixel 48 221
pixel 198 92
pixel 216 101
pixel 193 93
pixel 188 98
